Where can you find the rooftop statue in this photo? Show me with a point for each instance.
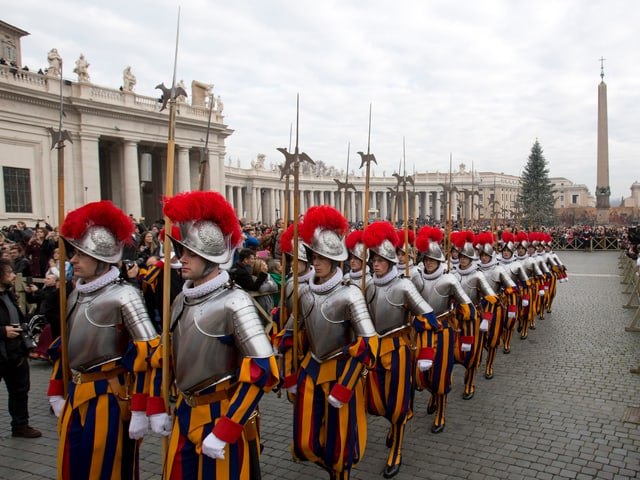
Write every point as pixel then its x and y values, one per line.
pixel 55 63
pixel 82 69
pixel 128 80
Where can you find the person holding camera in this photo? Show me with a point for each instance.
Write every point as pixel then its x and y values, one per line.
pixel 14 366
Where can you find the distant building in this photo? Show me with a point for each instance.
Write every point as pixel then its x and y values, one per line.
pixel 571 195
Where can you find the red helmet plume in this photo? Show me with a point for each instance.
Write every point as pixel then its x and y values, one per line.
pixel 381 238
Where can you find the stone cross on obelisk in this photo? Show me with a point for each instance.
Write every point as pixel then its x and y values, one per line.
pixel 603 190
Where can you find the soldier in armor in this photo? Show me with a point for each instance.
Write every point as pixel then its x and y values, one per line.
pixel 407 256
pixel 543 285
pixel 502 283
pixel 468 351
pixel 222 360
pixel 450 303
pixel 520 278
pixel 399 314
pixel 454 254
pixel 357 260
pixel 109 337
pixel 536 288
pixel 329 421
pixel 558 269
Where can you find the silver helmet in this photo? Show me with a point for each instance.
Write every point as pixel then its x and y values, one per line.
pixel 381 238
pixel 286 244
pixel 428 243
pixel 207 223
pixel 355 246
pixel 463 242
pixel 98 229
pixel 323 231
pixel 507 241
pixel 522 240
pixel 484 243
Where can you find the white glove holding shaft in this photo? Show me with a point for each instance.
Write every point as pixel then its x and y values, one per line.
pixel 335 403
pixel 213 447
pixel 139 425
pixel 424 364
pixel 525 303
pixel 466 347
pixel 484 325
pixel 293 389
pixel 161 424
pixel 511 314
pixel 57 404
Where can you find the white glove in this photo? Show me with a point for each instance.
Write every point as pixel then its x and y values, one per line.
pixel 161 424
pixel 484 326
pixel 57 404
pixel 293 389
pixel 213 447
pixel 139 425
pixel 424 364
pixel 541 293
pixel 466 347
pixel 335 403
pixel 525 303
pixel 546 288
pixel 511 314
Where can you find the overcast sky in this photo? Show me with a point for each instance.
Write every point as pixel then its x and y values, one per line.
pixel 478 79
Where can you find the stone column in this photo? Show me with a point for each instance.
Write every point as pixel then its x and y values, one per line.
pixel 184 170
pixel 89 187
pixel 132 202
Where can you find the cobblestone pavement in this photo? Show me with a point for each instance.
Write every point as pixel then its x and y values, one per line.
pixel 554 408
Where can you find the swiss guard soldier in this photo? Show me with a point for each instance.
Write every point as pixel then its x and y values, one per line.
pixel 502 283
pixel 222 360
pixel 329 421
pixel 404 256
pixel 543 285
pixel 357 260
pixel 399 313
pixel 558 269
pixel 528 313
pixel 514 268
pixel 469 351
pixel 446 296
pixel 110 337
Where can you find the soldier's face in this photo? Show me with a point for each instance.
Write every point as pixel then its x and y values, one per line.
pixel 380 266
pixel 193 265
pixel 430 265
pixel 355 263
pixel 507 254
pixel 484 258
pixel 322 266
pixel 465 262
pixel 84 266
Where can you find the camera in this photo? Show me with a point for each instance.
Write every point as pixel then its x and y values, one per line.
pixel 27 339
pixel 130 263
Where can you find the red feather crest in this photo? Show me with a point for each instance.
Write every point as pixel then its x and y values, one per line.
pixel 175 233
pixel 400 234
pixel 353 239
pixel 377 232
pixel 461 238
pixel 103 214
pixel 426 235
pixel 212 206
pixel 507 237
pixel 324 217
pixel 286 240
pixel 522 237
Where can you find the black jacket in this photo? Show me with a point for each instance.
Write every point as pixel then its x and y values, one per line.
pixel 241 276
pixel 11 349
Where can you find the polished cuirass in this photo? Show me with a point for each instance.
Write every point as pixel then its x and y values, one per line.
pixel 211 336
pixel 541 262
pixel 101 324
pixel 440 291
pixel 497 277
pixel 327 316
pixel 530 266
pixel 474 284
pixel 515 269
pixel 394 303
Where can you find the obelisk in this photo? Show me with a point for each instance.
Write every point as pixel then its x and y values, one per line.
pixel 602 180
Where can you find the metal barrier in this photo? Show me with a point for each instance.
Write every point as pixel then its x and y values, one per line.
pixel 593 243
pixel 631 279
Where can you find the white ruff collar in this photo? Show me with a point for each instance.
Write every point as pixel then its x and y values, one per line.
pixel 307 277
pixel 102 281
pixel 207 287
pixel 430 276
pixel 329 284
pixel 357 274
pixel 507 260
pixel 467 271
pixel 488 265
pixel 391 274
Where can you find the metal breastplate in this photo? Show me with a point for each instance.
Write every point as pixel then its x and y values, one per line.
pixel 516 271
pixel 497 278
pixel 333 319
pixel 475 285
pixel 440 291
pixel 102 323
pixel 211 336
pixel 393 304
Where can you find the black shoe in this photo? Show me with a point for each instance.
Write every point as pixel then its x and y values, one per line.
pixel 519 329
pixel 523 337
pixel 437 428
pixel 431 409
pixel 488 376
pixel 532 327
pixel 26 432
pixel 506 351
pixel 467 396
pixel 391 471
